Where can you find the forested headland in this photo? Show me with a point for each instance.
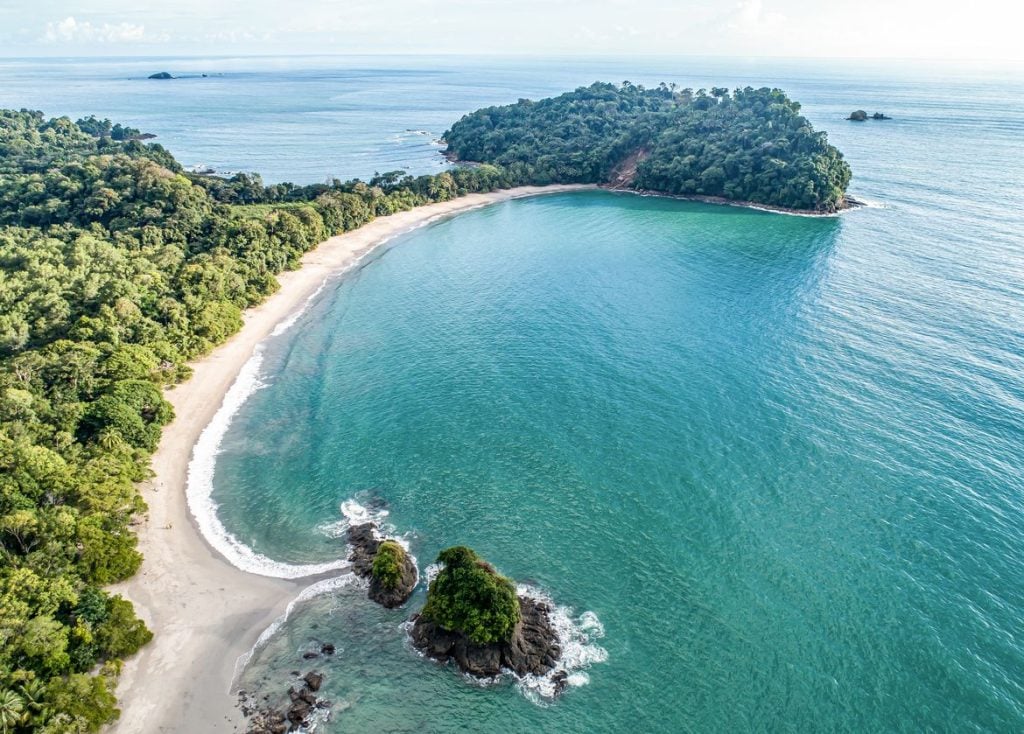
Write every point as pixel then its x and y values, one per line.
pixel 749 145
pixel 116 269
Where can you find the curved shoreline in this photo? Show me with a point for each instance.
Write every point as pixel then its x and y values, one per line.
pixel 205 613
pixel 850 203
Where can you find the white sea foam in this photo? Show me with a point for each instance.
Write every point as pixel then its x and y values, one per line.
pixel 326 586
pixel 432 570
pixel 199 489
pixel 354 512
pixel 576 636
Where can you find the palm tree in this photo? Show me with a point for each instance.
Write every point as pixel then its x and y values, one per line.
pixel 12 708
pixel 33 693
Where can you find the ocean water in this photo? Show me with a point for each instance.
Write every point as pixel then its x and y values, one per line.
pixel 768 467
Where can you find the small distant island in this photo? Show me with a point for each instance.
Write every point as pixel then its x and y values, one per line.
pixel 861 116
pixel 747 146
pixel 161 75
pixel 474 617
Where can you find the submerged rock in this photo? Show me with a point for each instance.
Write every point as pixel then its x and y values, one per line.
pixel 300 705
pixel 268 721
pixel 390 570
pixel 533 647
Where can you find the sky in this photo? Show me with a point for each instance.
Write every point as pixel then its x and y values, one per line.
pixel 888 29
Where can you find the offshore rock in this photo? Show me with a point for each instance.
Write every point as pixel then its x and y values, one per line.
pixel 365 544
pixel 532 649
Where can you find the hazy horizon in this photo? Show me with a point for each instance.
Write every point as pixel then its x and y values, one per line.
pixel 871 29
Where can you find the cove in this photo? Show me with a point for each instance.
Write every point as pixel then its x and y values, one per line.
pixel 683 422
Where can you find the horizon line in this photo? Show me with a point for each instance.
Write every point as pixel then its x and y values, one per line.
pixel 540 56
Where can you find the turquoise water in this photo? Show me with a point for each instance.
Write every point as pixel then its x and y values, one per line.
pixel 779 469
pixel 775 460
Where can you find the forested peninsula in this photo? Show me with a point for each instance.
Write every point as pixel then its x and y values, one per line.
pixel 118 267
pixel 748 145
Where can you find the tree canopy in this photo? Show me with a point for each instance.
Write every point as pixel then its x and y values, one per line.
pixel 468 595
pixel 746 145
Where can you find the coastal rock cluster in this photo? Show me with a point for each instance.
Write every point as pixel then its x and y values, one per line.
pixel 533 648
pixel 389 591
pixel 296 715
pixel 861 116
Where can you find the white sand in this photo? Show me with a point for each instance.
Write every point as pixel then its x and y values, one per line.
pixel 204 612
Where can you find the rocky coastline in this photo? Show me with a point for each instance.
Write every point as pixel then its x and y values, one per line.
pixel 296 714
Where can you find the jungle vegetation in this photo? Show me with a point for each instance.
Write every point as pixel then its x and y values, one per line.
pixel 746 145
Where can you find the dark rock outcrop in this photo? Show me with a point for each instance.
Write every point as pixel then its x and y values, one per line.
pixel 365 544
pixel 533 647
pixel 363 539
pixel 861 116
pixel 302 702
pixel 161 75
pixel 313 680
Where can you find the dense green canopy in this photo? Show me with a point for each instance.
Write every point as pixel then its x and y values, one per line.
pixel 469 596
pixel 748 145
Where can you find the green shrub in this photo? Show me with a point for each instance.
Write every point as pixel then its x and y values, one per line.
pixel 387 564
pixel 469 596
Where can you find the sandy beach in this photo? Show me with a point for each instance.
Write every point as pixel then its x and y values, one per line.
pixel 203 611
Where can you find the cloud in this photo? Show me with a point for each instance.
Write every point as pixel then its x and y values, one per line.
pixel 750 16
pixel 70 29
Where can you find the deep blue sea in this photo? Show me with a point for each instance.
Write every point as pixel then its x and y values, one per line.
pixel 769 468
